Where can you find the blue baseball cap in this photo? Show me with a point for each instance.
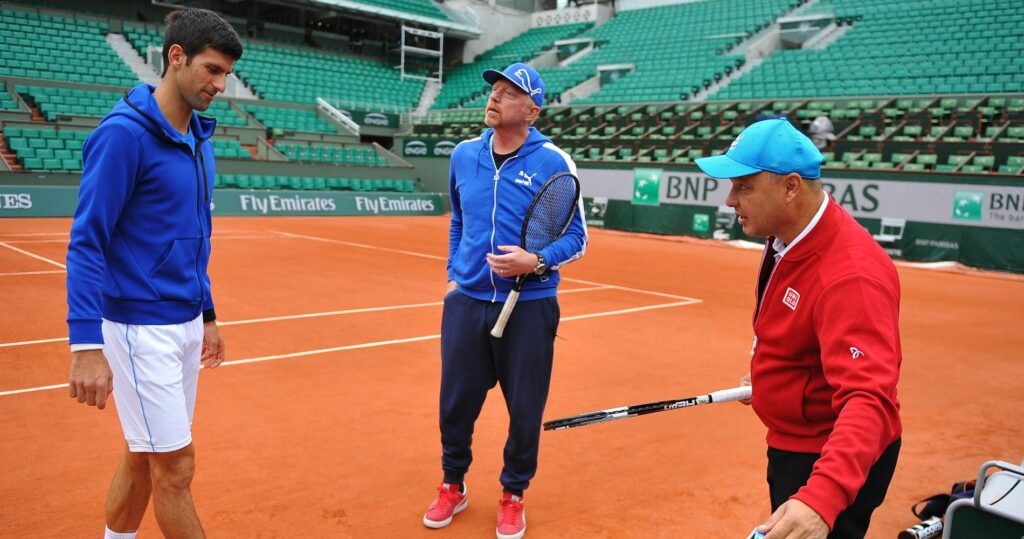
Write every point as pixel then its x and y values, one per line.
pixel 523 76
pixel 773 145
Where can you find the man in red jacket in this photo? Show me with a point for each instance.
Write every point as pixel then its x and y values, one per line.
pixel 826 355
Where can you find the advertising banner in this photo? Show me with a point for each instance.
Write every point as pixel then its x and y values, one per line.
pixel 428 148
pixel 17 201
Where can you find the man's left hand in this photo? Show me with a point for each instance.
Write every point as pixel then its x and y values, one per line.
pixel 516 261
pixel 794 520
pixel 213 346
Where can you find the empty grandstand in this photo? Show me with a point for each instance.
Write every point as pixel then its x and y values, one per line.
pixel 927 93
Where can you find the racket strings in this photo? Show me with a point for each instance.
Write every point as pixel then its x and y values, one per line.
pixel 550 213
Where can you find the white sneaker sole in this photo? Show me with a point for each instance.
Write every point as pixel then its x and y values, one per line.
pixel 435 524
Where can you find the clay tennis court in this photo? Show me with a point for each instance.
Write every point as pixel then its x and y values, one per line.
pixel 324 421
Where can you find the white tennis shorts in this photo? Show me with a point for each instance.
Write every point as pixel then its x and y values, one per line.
pixel 156 371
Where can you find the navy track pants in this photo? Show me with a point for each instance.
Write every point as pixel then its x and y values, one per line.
pixel 472 362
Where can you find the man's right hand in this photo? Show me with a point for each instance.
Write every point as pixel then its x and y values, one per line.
pixel 90 379
pixel 452 285
pixel 745 381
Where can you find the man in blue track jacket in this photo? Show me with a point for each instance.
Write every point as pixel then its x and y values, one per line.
pixel 140 311
pixel 493 179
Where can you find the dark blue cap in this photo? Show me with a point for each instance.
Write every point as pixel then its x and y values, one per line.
pixel 523 76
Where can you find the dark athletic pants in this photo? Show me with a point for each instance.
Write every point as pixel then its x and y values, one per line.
pixel 472 362
pixel 788 472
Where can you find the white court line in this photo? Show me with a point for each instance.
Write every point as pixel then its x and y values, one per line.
pixel 328 350
pixel 435 257
pixel 630 310
pixel 300 316
pixel 21 234
pixel 32 389
pixel 362 245
pixel 33 255
pixel 372 344
pixel 328 313
pixel 216 237
pixel 14 273
pixel 364 310
pixel 11 242
pixel 26 343
pixel 638 290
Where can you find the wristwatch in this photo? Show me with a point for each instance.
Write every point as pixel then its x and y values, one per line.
pixel 541 266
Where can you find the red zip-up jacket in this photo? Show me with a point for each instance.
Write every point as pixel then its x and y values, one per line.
pixel 827 356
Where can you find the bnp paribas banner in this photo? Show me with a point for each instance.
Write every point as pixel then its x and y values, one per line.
pixel 428 148
pixel 16 201
pixel 979 205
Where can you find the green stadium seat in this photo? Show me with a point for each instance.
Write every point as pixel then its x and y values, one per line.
pixel 899 158
pixel 864 132
pixel 961 133
pixel 985 162
pixel 935 133
pixel 953 162
pixel 1013 134
pixel 909 133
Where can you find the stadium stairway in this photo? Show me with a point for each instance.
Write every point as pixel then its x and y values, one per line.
pixel 428 97
pixel 9 157
pixel 143 70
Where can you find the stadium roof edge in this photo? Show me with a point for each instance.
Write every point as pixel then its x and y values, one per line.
pixel 454 28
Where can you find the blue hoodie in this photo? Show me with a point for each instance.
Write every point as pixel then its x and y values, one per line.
pixel 140 240
pixel 488 206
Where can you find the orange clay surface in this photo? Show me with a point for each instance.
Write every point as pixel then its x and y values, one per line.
pixel 324 421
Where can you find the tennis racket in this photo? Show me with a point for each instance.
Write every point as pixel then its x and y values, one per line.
pixel 546 220
pixel 600 416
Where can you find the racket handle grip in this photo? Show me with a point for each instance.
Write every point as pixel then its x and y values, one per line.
pixel 732 394
pixel 506 311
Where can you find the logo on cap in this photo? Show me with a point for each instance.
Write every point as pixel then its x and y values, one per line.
pixel 524 81
pixel 735 142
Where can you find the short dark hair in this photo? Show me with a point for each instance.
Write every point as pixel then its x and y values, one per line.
pixel 196 30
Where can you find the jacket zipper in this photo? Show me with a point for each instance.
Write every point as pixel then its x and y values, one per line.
pixel 761 300
pixel 494 209
pixel 202 196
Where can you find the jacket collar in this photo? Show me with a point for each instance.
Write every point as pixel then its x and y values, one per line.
pixel 818 238
pixel 140 105
pixel 534 140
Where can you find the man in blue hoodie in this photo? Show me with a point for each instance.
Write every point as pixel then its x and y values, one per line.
pixel 140 311
pixel 492 180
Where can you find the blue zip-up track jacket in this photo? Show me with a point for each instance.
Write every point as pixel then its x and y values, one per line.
pixel 140 240
pixel 488 206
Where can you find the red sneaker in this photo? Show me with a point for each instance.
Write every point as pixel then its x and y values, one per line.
pixel 511 517
pixel 449 502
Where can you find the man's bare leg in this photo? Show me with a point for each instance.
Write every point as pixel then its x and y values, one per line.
pixel 172 499
pixel 129 493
